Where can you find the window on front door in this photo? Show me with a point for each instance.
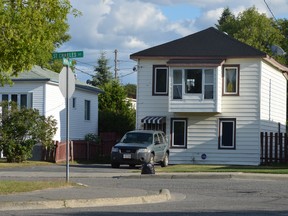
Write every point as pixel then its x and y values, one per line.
pixel 227 134
pixel 179 133
pixel 160 80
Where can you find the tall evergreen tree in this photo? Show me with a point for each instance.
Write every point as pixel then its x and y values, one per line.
pixel 103 74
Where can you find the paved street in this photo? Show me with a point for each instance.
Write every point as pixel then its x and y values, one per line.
pixel 201 195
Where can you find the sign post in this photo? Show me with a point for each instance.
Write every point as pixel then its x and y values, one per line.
pixel 67 87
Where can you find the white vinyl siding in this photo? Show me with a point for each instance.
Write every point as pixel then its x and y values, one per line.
pixel 147 104
pixel 273 99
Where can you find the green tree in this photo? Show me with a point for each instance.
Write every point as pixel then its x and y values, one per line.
pixel 115 111
pixel 21 129
pixel 131 90
pixel 30 32
pixel 254 29
pixel 103 74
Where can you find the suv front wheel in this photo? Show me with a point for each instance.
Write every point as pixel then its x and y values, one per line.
pixel 165 161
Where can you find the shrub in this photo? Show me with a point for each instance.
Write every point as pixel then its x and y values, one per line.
pixel 21 129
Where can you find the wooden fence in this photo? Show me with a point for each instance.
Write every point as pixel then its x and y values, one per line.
pixel 81 150
pixel 274 148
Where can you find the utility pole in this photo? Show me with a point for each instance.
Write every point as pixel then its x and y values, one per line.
pixel 115 63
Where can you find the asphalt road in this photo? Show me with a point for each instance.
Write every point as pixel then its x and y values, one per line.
pixel 199 197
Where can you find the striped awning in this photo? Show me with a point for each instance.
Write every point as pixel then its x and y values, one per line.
pixel 153 120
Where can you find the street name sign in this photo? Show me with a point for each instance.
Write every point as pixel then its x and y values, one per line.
pixel 73 54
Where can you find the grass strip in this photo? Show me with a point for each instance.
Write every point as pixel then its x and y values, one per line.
pixel 10 187
pixel 272 169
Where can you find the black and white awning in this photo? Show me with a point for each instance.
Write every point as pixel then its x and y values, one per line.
pixel 154 120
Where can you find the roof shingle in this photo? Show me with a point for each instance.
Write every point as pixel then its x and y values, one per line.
pixel 209 43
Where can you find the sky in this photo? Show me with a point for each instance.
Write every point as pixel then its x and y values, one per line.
pixel 129 26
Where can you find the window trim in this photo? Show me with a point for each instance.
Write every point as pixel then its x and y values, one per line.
pixel 237 66
pixel 172 133
pixel 154 81
pixel 220 146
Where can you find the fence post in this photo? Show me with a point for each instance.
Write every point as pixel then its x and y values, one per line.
pixel 271 148
pixel 266 148
pixel 281 147
pixel 285 148
pixel 276 148
pixel 262 147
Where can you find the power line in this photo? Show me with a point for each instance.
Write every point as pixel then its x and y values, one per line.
pixel 270 10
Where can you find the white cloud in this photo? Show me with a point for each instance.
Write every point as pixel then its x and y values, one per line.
pixel 133 25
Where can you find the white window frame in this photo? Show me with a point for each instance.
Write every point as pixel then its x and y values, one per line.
pixel 203 82
pixel 29 96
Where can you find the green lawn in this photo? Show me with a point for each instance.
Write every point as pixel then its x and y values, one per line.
pixel 10 187
pixel 272 169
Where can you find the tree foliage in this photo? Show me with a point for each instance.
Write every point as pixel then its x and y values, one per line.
pixel 131 90
pixel 30 31
pixel 103 74
pixel 255 29
pixel 21 129
pixel 115 111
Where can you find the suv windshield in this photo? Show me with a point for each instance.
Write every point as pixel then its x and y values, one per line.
pixel 142 138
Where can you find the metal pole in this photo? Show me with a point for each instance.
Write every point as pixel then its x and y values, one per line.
pixel 67 126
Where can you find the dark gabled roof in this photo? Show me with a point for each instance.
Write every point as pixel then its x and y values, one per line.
pixel 209 43
pixel 38 73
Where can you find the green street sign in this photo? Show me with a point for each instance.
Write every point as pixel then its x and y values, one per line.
pixel 67 61
pixel 61 55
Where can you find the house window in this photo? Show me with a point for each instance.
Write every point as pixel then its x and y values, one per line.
pixel 227 134
pixel 208 84
pixel 195 81
pixel 179 133
pixel 160 80
pixel 87 110
pixel 74 103
pixel 231 80
pixel 23 100
pixel 177 84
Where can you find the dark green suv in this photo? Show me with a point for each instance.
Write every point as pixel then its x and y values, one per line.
pixel 139 146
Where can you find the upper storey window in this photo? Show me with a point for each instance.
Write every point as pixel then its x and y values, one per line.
pixel 231 80
pixel 160 80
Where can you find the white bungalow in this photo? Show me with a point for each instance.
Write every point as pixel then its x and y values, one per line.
pixel 39 89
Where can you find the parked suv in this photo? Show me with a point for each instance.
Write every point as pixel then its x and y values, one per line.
pixel 139 146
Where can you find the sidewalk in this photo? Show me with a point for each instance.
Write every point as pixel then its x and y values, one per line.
pixel 92 196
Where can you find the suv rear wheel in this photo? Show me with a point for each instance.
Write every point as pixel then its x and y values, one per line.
pixel 165 161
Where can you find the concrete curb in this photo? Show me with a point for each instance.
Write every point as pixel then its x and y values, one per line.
pixel 164 195
pixel 209 175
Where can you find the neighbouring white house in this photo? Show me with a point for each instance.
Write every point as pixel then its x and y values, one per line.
pixel 39 89
pixel 212 95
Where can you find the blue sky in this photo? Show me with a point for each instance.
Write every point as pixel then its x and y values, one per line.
pixel 133 25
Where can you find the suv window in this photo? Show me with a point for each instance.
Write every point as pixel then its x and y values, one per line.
pixel 160 138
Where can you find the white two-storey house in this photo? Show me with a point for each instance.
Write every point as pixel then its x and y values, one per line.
pixel 212 95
